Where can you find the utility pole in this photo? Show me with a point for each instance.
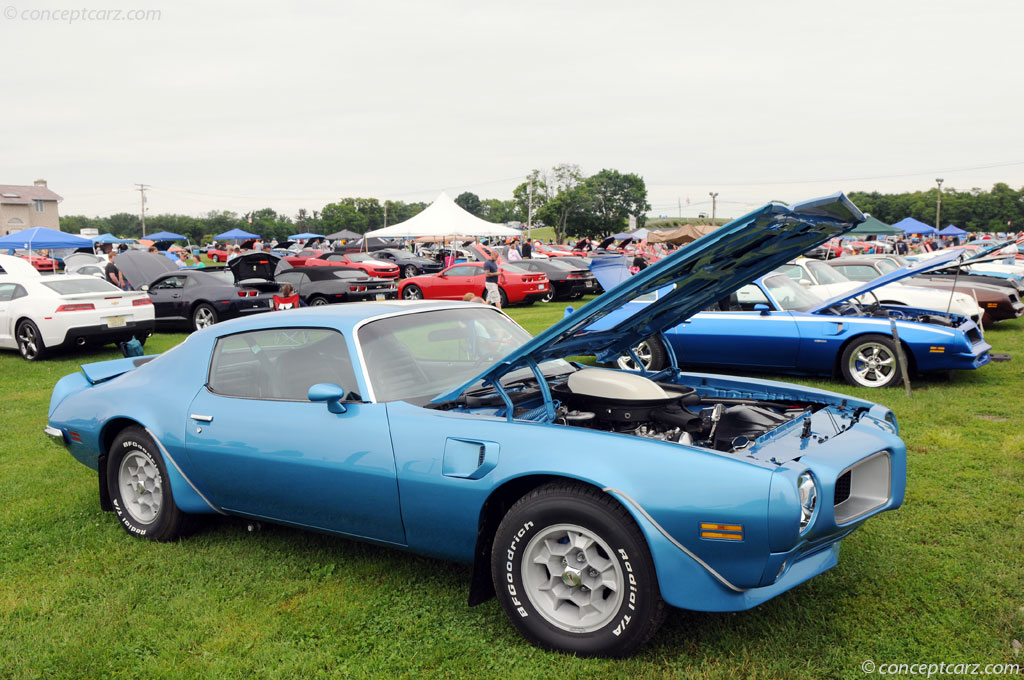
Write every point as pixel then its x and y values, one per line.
pixel 938 203
pixel 529 211
pixel 385 213
pixel 679 200
pixel 714 200
pixel 142 206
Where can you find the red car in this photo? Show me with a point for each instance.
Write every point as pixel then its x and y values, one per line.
pixel 553 250
pixel 41 262
pixel 299 259
pixel 365 261
pixel 218 254
pixel 515 285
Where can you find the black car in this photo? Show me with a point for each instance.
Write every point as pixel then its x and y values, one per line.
pixel 567 281
pixel 324 285
pixel 408 263
pixel 201 297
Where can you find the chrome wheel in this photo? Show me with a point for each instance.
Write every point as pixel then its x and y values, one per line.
pixel 548 296
pixel 412 293
pixel 643 352
pixel 572 579
pixel 410 270
pixel 29 343
pixel 873 365
pixel 141 487
pixel 318 302
pixel 203 317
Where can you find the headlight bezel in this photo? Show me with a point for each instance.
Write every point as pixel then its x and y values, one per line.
pixel 806 482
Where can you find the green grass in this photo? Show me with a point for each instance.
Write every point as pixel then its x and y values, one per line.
pixel 938 580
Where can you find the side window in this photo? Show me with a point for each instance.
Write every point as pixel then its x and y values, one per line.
pixel 792 271
pixel 859 272
pixel 464 271
pixel 282 363
pixel 7 292
pixel 744 300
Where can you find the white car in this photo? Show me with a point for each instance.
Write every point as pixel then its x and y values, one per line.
pixel 827 283
pixel 40 313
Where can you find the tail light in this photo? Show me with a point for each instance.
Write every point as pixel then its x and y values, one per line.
pixel 248 293
pixel 141 302
pixel 574 276
pixel 81 307
pixel 253 293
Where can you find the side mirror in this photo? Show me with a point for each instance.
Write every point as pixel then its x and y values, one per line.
pixel 145 288
pixel 761 308
pixel 330 393
pixel 804 282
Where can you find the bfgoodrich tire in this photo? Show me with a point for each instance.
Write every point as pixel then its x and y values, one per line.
pixel 573 573
pixel 139 489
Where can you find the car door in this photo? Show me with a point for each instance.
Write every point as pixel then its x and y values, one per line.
pixel 735 334
pixel 8 292
pixel 456 281
pixel 166 294
pixel 260 448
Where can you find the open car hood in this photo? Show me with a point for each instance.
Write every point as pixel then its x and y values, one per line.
pixel 704 271
pixel 937 262
pixel 257 266
pixel 142 268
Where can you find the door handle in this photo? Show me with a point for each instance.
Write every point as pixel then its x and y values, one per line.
pixel 175 296
pixel 202 419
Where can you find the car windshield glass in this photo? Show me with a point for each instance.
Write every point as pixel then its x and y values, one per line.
pixel 789 294
pixel 514 269
pixel 223 276
pixel 825 274
pixel 89 285
pixel 887 266
pixel 359 257
pixel 558 264
pixel 415 357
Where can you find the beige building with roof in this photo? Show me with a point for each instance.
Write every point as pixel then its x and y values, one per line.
pixel 23 207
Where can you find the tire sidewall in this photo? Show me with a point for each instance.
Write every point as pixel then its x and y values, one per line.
pixel 641 595
pixel 416 290
pixel 39 341
pixel 125 443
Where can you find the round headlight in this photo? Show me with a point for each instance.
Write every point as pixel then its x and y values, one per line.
pixel 808 499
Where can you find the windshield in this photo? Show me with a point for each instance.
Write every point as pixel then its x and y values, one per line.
pixel 415 357
pixel 825 274
pixel 789 295
pixel 360 257
pixel 85 285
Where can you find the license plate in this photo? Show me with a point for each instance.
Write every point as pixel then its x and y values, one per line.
pixel 590 284
pixel 379 296
pixel 116 321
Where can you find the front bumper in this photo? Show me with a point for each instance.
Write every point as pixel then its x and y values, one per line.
pixel 55 435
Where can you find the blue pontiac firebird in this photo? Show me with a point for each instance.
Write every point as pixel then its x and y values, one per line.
pixel 586 499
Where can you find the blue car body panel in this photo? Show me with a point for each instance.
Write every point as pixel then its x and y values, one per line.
pixel 422 477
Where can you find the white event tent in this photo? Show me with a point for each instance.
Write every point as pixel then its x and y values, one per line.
pixel 443 217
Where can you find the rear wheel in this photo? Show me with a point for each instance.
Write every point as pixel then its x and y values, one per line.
pixel 573 573
pixel 203 316
pixel 548 296
pixel 412 293
pixel 410 271
pixel 871 361
pixel 30 341
pixel 651 353
pixel 503 296
pixel 139 489
pixel 318 301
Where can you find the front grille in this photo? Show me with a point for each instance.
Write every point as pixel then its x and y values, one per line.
pixel 974 335
pixel 843 487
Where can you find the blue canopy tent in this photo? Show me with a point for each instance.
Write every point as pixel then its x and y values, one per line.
pixel 110 238
pixel 911 226
pixel 305 236
pixel 235 235
pixel 165 236
pixel 41 237
pixel 952 230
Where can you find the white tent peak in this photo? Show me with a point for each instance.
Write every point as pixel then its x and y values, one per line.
pixel 443 217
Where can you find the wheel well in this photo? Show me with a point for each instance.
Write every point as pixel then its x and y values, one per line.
pixel 837 365
pixel 107 435
pixel 481 587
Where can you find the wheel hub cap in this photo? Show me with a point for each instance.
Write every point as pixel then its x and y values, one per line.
pixel 141 487
pixel 572 577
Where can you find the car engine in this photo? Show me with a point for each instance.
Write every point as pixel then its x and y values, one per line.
pixel 629 403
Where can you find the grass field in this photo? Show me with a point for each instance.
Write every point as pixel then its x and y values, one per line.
pixel 940 580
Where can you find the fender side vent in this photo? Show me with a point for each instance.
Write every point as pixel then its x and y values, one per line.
pixel 843 487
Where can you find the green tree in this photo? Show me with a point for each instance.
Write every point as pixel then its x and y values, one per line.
pixel 469 202
pixel 606 200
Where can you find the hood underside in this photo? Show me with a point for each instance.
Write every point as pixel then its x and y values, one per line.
pixel 703 271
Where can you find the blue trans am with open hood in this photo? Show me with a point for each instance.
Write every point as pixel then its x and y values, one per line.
pixel 586 499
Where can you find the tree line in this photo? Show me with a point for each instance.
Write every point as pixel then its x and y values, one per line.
pixel 1001 209
pixel 561 197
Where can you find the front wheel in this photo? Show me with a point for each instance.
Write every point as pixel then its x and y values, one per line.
pixel 139 489
pixel 30 341
pixel 203 316
pixel 871 361
pixel 651 353
pixel 412 293
pixel 573 573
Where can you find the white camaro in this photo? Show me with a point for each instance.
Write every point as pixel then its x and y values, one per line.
pixel 827 283
pixel 39 312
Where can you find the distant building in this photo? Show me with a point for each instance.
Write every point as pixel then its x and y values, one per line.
pixel 23 207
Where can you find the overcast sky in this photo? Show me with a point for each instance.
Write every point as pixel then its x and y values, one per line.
pixel 296 104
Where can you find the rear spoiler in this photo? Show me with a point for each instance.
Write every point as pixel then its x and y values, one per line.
pixel 105 370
